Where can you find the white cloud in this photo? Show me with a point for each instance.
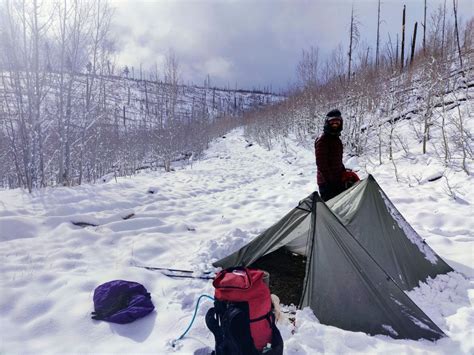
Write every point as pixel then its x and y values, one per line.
pixel 218 67
pixel 252 43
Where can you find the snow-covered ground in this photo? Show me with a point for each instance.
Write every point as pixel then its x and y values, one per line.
pixel 189 218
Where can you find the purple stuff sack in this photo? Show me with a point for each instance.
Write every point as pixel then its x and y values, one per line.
pixel 121 301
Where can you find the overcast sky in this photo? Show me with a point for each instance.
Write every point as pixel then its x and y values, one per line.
pixel 252 43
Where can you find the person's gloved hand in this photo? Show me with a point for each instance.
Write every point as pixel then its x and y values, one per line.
pixel 349 178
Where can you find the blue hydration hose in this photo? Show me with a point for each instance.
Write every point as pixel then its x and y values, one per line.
pixel 173 343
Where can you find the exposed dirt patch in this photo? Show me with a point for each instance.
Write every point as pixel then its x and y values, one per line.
pixel 287 272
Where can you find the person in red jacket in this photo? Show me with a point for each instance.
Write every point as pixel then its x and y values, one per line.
pixel 328 151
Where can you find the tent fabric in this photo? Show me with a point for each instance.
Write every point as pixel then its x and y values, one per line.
pixel 346 288
pixel 374 221
pixel 337 262
pixel 287 230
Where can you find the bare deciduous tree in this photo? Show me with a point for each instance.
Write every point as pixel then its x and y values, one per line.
pixel 354 36
pixel 308 68
pixel 378 36
pixel 456 30
pixel 402 56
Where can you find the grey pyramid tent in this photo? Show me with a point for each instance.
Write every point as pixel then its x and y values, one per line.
pixel 380 228
pixel 343 284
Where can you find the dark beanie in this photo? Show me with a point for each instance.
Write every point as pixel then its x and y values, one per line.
pixel 334 113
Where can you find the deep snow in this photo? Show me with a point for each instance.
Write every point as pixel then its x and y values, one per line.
pixel 189 218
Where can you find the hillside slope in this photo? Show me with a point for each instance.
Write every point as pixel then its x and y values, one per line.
pixel 71 128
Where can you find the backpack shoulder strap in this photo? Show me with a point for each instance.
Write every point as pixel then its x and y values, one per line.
pixel 230 325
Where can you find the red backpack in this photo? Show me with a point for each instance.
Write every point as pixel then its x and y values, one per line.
pixel 242 319
pixel 349 178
